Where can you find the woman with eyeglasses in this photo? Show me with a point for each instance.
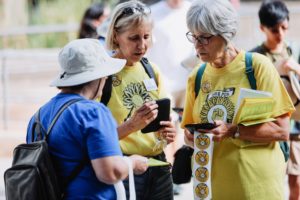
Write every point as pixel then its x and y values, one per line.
pixel 133 96
pixel 247 161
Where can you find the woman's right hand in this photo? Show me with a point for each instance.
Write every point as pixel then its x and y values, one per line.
pixel 188 138
pixel 143 116
pixel 139 164
pixel 140 118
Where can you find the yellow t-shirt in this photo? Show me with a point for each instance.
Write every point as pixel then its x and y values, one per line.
pixel 240 169
pixel 128 94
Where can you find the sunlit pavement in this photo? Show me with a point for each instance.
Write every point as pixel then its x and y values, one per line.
pixel 186 190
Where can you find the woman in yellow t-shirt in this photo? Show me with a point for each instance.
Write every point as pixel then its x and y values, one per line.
pixel 247 161
pixel 133 96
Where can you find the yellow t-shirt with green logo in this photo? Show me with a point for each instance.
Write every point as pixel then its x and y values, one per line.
pixel 241 170
pixel 128 94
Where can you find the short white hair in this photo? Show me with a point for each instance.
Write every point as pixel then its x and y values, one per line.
pixel 120 23
pixel 216 17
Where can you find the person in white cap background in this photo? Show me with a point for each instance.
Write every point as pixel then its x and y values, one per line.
pixel 274 23
pixel 133 96
pixel 86 128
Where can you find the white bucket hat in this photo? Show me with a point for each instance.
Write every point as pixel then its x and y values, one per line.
pixel 85 60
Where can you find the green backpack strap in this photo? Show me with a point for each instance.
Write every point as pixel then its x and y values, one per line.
pixel 199 78
pixel 250 71
pixel 251 77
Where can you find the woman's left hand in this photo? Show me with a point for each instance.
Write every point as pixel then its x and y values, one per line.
pixel 223 130
pixel 168 131
pixel 291 65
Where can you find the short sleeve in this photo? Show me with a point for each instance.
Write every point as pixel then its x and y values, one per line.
pixel 101 133
pixel 269 80
pixel 189 99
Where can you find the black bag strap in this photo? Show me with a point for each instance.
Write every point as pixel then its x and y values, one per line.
pixel 74 173
pixel 38 127
pixel 149 69
pixel 107 89
pixel 60 111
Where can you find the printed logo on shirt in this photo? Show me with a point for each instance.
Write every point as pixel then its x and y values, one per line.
pixel 206 87
pixel 116 80
pixel 218 106
pixel 134 96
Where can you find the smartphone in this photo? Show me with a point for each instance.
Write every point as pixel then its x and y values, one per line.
pixel 163 115
pixel 178 110
pixel 205 126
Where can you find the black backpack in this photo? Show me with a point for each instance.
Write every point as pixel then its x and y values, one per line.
pixel 32 175
pixel 182 166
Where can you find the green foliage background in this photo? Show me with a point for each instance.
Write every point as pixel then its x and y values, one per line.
pixel 51 12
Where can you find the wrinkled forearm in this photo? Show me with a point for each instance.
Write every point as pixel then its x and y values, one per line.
pixel 267 132
pixel 125 129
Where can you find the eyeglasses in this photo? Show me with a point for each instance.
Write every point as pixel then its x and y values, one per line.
pixel 204 40
pixel 132 10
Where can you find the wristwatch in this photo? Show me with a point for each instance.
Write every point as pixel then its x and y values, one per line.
pixel 237 133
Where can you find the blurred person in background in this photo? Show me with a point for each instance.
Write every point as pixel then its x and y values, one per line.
pixel 274 23
pixel 132 101
pixel 93 17
pixel 85 128
pixel 247 161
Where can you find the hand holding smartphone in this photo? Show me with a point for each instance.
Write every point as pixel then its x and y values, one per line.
pixel 163 115
pixel 204 126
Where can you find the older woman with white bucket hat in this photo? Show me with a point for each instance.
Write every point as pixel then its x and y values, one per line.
pixel 85 129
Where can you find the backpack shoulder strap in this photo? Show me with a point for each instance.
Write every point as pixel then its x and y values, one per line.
pixel 83 162
pixel 149 69
pixel 60 111
pixel 199 78
pixel 250 71
pixel 107 89
pixel 38 128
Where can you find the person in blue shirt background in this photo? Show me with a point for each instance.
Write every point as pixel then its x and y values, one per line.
pixel 86 128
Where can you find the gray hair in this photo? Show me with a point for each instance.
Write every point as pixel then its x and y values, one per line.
pixel 217 17
pixel 121 22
